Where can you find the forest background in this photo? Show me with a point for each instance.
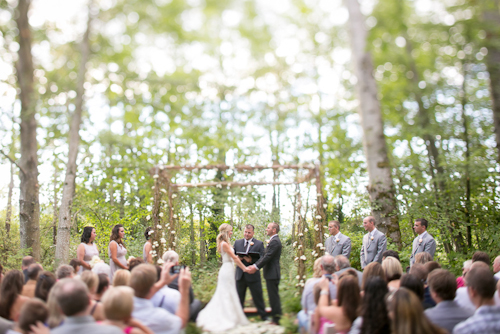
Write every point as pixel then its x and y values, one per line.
pixel 137 84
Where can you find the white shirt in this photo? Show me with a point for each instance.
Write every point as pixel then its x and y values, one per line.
pixel 337 236
pixel 497 275
pixel 167 298
pixel 157 319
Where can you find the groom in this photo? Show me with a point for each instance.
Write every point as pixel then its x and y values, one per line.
pixel 243 280
pixel 271 264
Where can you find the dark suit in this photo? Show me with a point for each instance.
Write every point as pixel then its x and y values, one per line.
pixel 271 264
pixel 251 281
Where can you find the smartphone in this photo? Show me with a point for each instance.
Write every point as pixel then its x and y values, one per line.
pixel 176 269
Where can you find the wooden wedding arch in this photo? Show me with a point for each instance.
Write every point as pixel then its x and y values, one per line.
pixel 167 227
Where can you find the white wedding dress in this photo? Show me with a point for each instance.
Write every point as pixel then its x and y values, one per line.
pixel 224 311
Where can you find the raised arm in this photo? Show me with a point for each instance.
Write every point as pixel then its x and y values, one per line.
pixel 225 246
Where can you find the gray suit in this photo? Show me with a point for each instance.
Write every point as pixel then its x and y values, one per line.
pixel 428 245
pixel 84 325
pixel 372 250
pixel 341 247
pixel 447 314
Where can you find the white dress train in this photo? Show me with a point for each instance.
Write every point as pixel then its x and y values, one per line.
pixel 224 311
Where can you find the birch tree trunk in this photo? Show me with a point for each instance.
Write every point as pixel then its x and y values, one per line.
pixel 29 206
pixel 8 216
pixel 491 20
pixel 64 227
pixel 381 187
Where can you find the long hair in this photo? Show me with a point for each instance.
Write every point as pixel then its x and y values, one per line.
pixel 373 309
pixel 223 234
pixel 44 284
pixel 86 234
pixel 114 234
pixel 409 317
pixel 371 270
pixel 11 288
pixel 348 296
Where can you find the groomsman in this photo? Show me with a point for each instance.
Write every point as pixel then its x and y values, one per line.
pixel 337 243
pixel 374 243
pixel 423 242
pixel 251 281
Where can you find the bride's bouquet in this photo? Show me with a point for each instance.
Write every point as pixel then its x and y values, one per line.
pixel 95 260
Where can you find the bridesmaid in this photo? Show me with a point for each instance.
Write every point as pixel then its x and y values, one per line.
pixel 116 250
pixel 146 256
pixel 87 249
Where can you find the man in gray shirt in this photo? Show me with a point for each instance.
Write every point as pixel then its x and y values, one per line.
pixel 447 313
pixel 73 299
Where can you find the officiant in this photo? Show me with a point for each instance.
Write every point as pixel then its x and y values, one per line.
pixel 250 250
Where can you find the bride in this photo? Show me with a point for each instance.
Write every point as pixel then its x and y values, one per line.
pixel 224 311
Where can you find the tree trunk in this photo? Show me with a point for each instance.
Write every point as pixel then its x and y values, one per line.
pixel 8 216
pixel 191 235
pixel 381 187
pixel 468 205
pixel 491 20
pixel 29 206
pixel 202 240
pixel 54 206
pixel 63 231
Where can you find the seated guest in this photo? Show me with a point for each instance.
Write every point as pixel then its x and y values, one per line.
pixel 373 269
pixel 25 263
pixel 11 299
pixel 407 315
pixel 73 299
pixel 5 325
pixel 415 285
pixel 33 312
pixel 29 287
pixel 102 268
pixel 482 257
pixel 465 269
pixel 342 264
pixel 118 306
pixel 423 258
pixel 92 281
pixel 194 304
pixel 166 298
pixel 481 288
pixel 393 271
pixel 56 317
pixel 431 266
pixel 496 268
pixel 102 286
pixel 318 323
pixel 64 271
pixel 44 283
pixel 121 277
pixel 420 272
pixel 132 263
pixel 392 253
pixel 76 264
pixel 373 316
pixel 462 296
pixel 447 313
pixel 327 267
pixel 143 281
pixel 348 297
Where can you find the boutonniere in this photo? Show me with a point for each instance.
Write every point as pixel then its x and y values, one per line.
pixel 337 240
pixel 420 240
pixel 251 243
pixel 371 238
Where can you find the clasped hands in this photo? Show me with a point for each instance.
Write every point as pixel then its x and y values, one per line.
pixel 250 269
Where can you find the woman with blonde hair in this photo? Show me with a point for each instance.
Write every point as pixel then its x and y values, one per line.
pixel 393 272
pixel 91 280
pixel 407 314
pixel 224 310
pixel 122 277
pixel 118 304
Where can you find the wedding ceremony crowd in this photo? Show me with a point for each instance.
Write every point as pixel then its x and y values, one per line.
pixel 135 296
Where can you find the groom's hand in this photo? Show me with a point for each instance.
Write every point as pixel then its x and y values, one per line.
pixel 251 270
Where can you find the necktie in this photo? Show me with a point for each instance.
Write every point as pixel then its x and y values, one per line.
pixel 246 244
